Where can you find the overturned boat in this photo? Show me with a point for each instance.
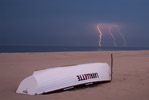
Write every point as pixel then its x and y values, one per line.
pixel 53 79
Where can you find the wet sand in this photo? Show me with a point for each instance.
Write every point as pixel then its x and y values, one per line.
pixel 130 78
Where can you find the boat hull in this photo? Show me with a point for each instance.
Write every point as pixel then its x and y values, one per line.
pixel 58 78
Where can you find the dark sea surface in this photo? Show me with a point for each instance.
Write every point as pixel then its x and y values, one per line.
pixel 15 49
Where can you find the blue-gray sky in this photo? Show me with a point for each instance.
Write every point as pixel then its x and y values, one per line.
pixel 72 22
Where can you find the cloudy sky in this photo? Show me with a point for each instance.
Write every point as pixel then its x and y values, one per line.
pixel 73 22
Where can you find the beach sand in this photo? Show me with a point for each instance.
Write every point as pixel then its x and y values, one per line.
pixel 130 78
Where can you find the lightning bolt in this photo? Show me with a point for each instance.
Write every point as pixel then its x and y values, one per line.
pixel 100 34
pixel 112 36
pixel 122 36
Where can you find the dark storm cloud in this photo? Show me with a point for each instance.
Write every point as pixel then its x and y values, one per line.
pixel 71 22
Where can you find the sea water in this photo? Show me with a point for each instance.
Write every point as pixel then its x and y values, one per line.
pixel 12 49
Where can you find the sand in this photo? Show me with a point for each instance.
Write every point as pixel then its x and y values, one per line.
pixel 130 78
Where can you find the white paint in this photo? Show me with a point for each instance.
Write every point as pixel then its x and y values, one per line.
pixel 52 79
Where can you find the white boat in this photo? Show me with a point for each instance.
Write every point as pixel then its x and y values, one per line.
pixel 53 79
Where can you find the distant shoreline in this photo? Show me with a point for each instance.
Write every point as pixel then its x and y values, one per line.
pixel 72 52
pixel 23 49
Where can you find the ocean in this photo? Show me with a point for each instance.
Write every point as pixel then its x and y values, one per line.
pixel 15 49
